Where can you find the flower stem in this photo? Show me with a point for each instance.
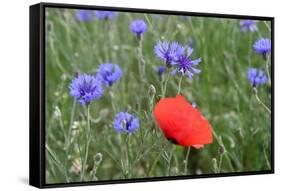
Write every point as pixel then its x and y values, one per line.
pixel 65 148
pixel 220 162
pixel 220 142
pixel 68 140
pixel 128 154
pixel 87 145
pixel 71 122
pixel 260 102
pixel 107 40
pixel 141 60
pixel 165 84
pixel 170 160
pixel 179 85
pixel 186 160
pixel 266 159
pixel 111 94
pixel 267 69
pixel 56 160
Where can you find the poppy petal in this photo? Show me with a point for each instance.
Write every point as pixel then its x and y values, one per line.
pixel 181 122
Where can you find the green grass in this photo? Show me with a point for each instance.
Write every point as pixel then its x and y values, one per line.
pixel 242 127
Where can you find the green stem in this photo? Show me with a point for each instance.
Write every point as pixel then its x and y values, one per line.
pixel 260 102
pixel 141 69
pixel 71 122
pixel 162 87
pixel 128 154
pixel 186 160
pixel 112 100
pixel 179 85
pixel 56 57
pixel 56 160
pixel 170 160
pixel 250 49
pixel 220 162
pixel 165 84
pixel 266 159
pixel 153 166
pixel 107 40
pixel 67 141
pixel 267 26
pixel 87 145
pixel 267 68
pixel 62 128
pixel 141 60
pixel 220 142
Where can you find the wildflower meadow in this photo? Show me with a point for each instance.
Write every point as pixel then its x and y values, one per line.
pixel 142 95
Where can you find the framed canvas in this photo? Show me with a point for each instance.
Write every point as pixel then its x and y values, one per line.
pixel 120 95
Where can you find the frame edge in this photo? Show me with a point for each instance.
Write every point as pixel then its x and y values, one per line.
pixel 35 128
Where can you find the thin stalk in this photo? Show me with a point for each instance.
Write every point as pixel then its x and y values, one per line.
pixel 266 159
pixel 186 160
pixel 260 102
pixel 68 138
pixel 250 49
pixel 170 160
pixel 56 160
pixel 67 143
pixel 107 43
pixel 64 148
pixel 151 93
pixel 56 57
pixel 62 128
pixel 162 87
pixel 112 100
pixel 267 26
pixel 165 84
pixel 179 85
pixel 128 154
pixel 153 166
pixel 141 60
pixel 151 103
pixel 268 74
pixel 88 140
pixel 267 68
pixel 220 162
pixel 141 69
pixel 225 151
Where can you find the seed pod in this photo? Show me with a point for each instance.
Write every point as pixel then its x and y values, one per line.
pixel 151 91
pixel 98 158
pixel 221 150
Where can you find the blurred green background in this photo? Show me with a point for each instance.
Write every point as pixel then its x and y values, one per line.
pixel 221 92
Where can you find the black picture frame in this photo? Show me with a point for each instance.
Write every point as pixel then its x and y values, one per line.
pixel 37 94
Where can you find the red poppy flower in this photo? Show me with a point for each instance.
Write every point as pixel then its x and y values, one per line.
pixel 181 123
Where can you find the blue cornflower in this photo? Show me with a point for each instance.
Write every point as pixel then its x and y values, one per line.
pixel 161 70
pixel 256 77
pixel 106 15
pixel 86 88
pixel 168 52
pixel 125 122
pixel 138 27
pixel 248 25
pixel 109 73
pixel 84 15
pixel 184 64
pixel 262 46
